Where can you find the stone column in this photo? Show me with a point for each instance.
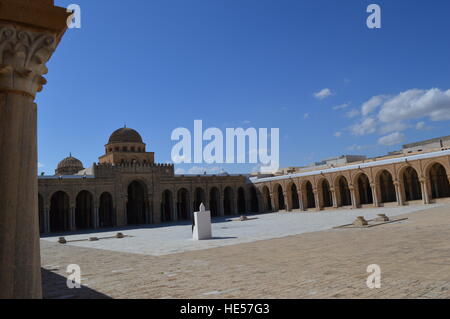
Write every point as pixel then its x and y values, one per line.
pixel 29 34
pixel 376 201
pixel 96 218
pixel 272 201
pixel 221 207
pixel 334 197
pixel 425 194
pixel 72 223
pixel 287 203
pixel 300 201
pixel 399 194
pixel 175 212
pixel 353 196
pixel 317 200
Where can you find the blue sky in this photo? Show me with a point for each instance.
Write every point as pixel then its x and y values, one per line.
pixel 161 64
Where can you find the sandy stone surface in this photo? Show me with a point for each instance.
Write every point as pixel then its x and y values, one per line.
pixel 414 257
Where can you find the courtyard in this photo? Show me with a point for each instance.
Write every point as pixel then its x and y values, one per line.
pixel 284 255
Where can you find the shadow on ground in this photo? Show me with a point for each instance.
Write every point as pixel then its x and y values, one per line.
pixel 54 286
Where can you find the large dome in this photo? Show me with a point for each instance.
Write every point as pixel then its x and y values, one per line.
pixel 69 166
pixel 125 135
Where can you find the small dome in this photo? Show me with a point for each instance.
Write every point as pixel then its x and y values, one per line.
pixel 125 135
pixel 69 166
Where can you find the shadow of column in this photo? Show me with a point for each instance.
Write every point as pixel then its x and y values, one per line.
pixel 54 286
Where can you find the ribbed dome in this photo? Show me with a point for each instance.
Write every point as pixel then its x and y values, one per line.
pixel 125 135
pixel 69 166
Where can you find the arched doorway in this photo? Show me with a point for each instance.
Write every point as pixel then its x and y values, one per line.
pixel 254 200
pixel 267 200
pixel 364 190
pixel 241 201
pixel 440 187
pixel 84 211
pixel 345 198
pixel 309 195
pixel 166 206
pixel 279 197
pixel 199 198
pixel 295 203
pixel 183 205
pixel 41 214
pixel 411 184
pixel 228 201
pixel 214 201
pixel 327 199
pixel 136 205
pixel 387 188
pixel 59 212
pixel 106 211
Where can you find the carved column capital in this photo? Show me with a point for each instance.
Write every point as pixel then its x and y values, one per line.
pixel 23 54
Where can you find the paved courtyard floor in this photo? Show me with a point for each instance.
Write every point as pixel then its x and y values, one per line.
pixel 286 255
pixel 176 238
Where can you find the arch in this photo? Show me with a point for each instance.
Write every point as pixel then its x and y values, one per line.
pixel 166 206
pixel 440 187
pixel 228 201
pixel 241 201
pixel 254 202
pixel 293 192
pixel 326 196
pixel 106 211
pixel 59 212
pixel 41 214
pixel 267 200
pixel 364 190
pixel 279 197
pixel 343 190
pixel 136 204
pixel 199 197
pixel 84 211
pixel 387 188
pixel 308 193
pixel 214 201
pixel 411 184
pixel 183 210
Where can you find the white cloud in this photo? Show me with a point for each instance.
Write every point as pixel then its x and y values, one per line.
pixel 420 125
pixel 341 107
pixel 338 134
pixel 371 105
pixel 306 116
pixel 366 126
pixel 393 127
pixel 351 114
pixel 323 94
pixel 412 104
pixel 384 114
pixel 392 139
pixel 40 165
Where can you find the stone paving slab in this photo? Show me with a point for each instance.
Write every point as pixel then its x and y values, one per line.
pixel 414 258
pixel 176 238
